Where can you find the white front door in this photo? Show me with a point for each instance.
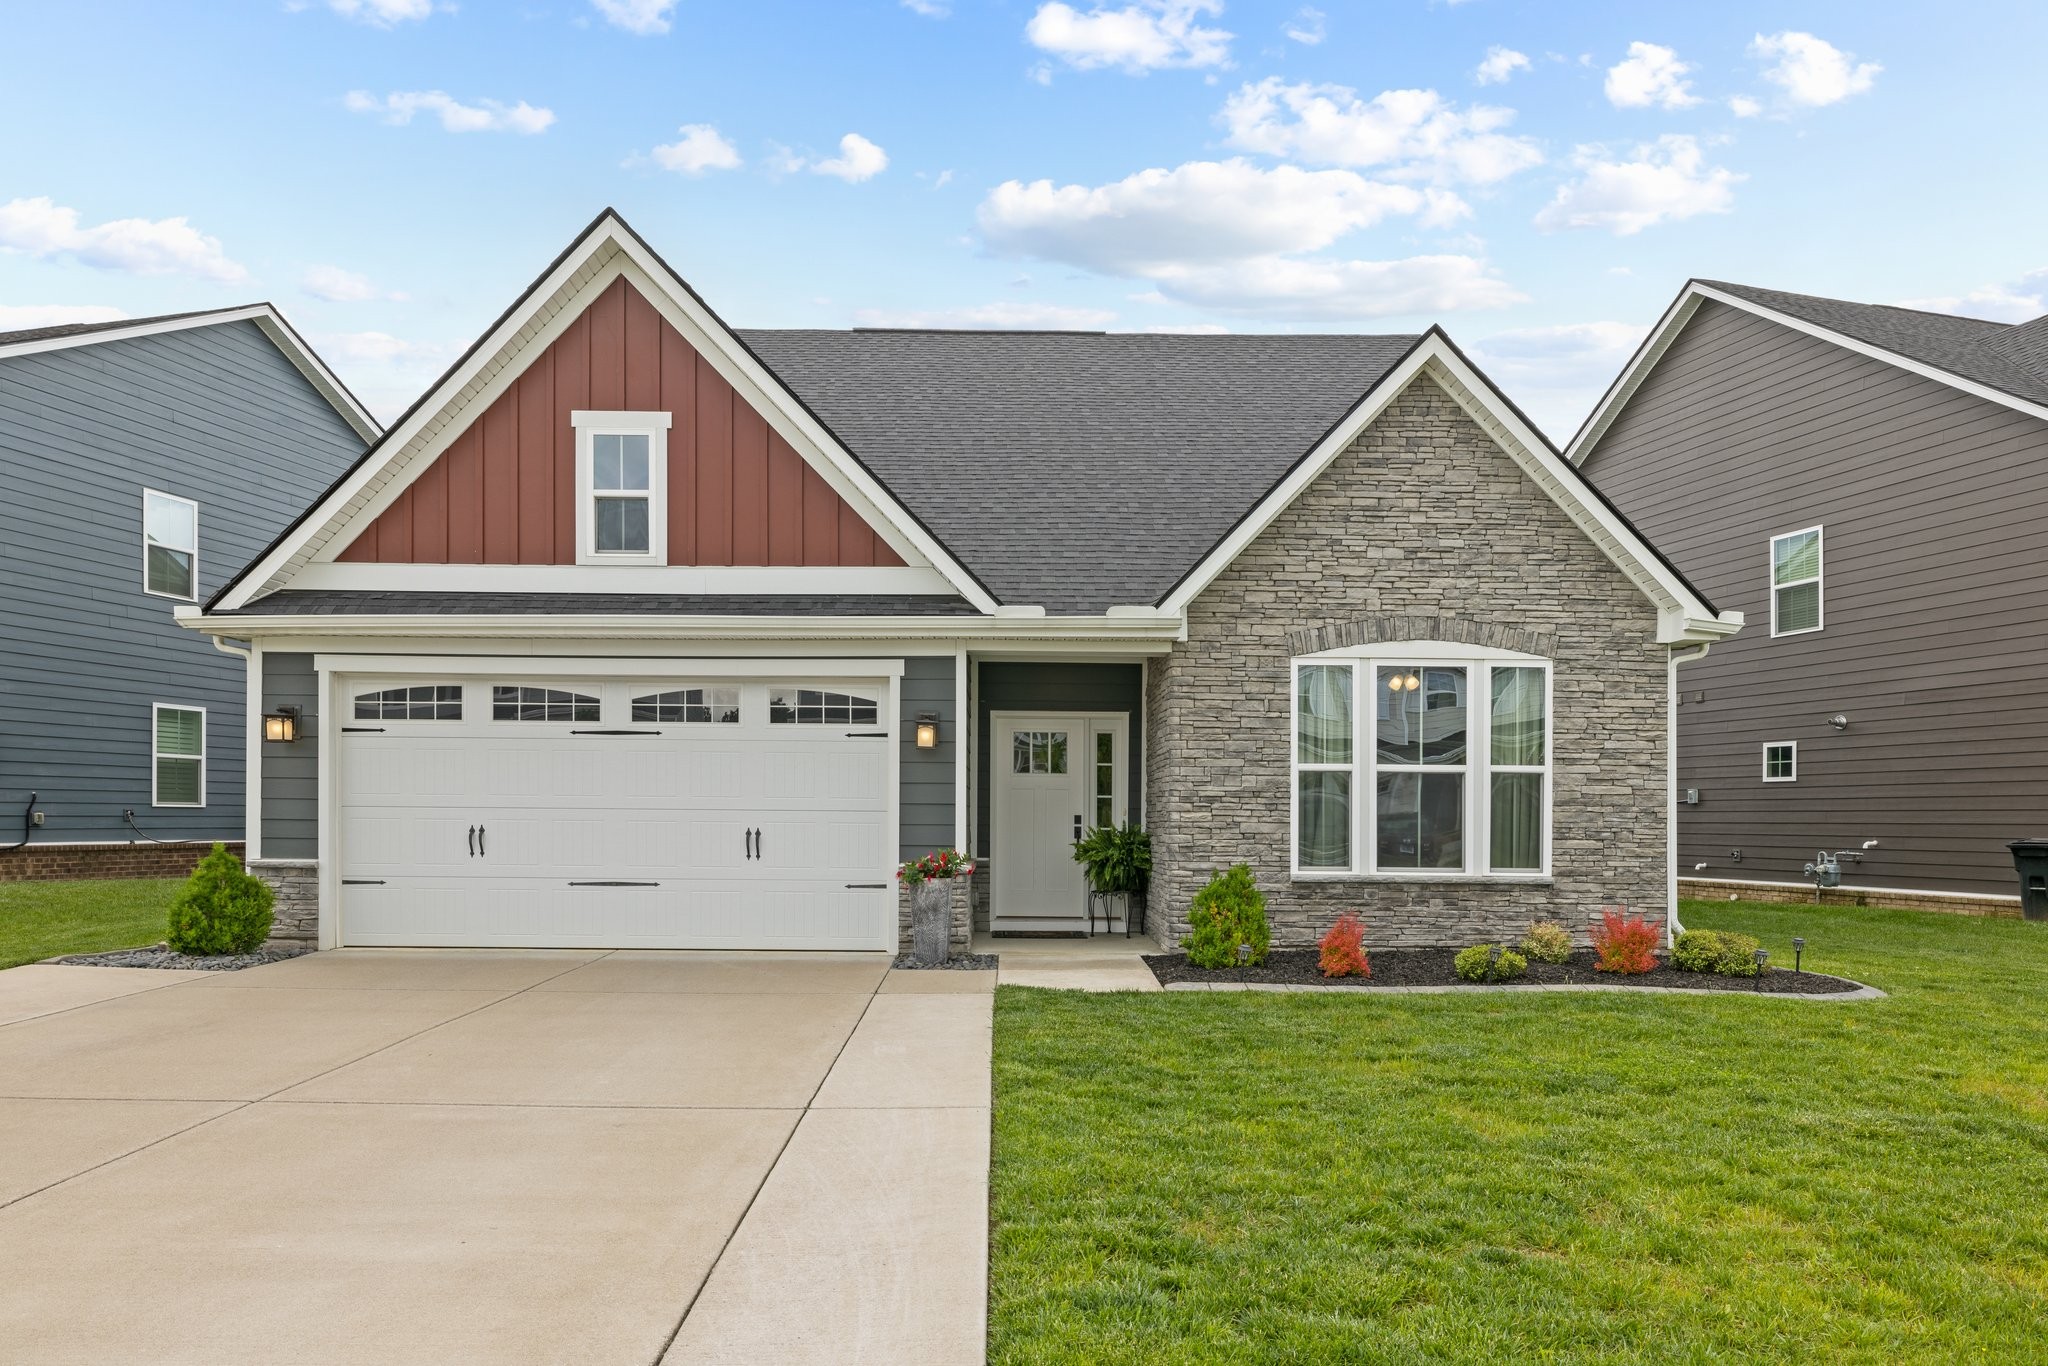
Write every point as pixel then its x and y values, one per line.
pixel 616 814
pixel 1052 778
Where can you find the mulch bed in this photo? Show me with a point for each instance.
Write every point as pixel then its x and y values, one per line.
pixel 160 957
pixel 1432 968
pixel 960 962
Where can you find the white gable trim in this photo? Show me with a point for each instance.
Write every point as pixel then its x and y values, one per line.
pixel 303 358
pixel 1680 313
pixel 1682 616
pixel 604 253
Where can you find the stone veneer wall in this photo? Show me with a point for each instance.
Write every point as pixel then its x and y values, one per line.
pixel 297 910
pixel 1423 529
pixel 962 938
pixel 59 862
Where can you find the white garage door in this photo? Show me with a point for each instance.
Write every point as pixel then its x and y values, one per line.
pixel 684 813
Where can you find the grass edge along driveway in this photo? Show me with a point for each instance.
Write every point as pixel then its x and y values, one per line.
pixel 1604 1177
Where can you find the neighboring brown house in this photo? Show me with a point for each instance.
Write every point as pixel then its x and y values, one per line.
pixel 640 631
pixel 1867 484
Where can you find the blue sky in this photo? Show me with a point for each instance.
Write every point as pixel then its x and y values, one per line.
pixel 1538 177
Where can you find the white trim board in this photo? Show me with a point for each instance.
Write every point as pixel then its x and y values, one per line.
pixel 607 250
pixel 1682 615
pixel 737 580
pixel 1680 313
pixel 281 334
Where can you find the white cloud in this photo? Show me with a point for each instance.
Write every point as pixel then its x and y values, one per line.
pixel 1649 75
pixel 1307 27
pixel 2023 300
pixel 1557 373
pixel 485 116
pixel 1414 134
pixel 1499 64
pixel 139 246
pixel 18 317
pixel 1811 71
pixel 930 9
pixel 644 17
pixel 385 371
pixel 999 317
pixel 1664 181
pixel 1234 237
pixel 339 286
pixel 858 160
pixel 1142 36
pixel 701 148
pixel 382 13
pixel 1743 107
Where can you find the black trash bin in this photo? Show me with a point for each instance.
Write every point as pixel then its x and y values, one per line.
pixel 2031 858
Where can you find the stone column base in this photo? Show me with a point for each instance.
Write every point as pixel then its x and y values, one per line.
pixel 297 884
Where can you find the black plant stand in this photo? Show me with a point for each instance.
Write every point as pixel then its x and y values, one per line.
pixel 1133 905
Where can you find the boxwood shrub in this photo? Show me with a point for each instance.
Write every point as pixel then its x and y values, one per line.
pixel 1489 963
pixel 1722 952
pixel 220 909
pixel 1228 912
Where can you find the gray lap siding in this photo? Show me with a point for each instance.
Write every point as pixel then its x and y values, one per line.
pixel 1424 516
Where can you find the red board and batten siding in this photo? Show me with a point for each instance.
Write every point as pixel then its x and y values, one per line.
pixel 505 491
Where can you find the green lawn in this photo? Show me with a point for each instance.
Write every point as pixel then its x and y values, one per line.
pixel 1254 1177
pixel 44 919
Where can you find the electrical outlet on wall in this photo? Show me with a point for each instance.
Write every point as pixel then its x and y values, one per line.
pixel 36 818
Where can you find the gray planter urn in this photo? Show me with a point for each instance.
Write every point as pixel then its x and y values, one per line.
pixel 931 919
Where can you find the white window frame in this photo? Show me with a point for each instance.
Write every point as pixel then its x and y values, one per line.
pixel 1770 745
pixel 1365 766
pixel 192 550
pixel 1819 580
pixel 655 427
pixel 154 755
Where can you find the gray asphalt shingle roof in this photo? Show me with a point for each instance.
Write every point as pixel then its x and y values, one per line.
pixel 2009 357
pixel 34 334
pixel 1077 471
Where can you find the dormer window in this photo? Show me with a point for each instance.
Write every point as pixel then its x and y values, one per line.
pixel 621 487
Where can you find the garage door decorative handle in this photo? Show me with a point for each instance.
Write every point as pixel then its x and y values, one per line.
pixel 479 840
pixel 472 841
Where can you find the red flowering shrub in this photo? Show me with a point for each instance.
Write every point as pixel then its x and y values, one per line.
pixel 1625 943
pixel 1344 948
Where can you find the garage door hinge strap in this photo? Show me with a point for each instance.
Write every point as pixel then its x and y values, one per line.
pixel 615 732
pixel 867 735
pixel 362 730
pixel 362 882
pixel 615 884
pixel 865 886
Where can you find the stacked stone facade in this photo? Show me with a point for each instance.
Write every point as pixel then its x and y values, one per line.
pixel 35 862
pixel 297 908
pixel 962 937
pixel 1425 528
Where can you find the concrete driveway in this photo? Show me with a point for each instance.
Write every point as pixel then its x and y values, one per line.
pixel 396 1156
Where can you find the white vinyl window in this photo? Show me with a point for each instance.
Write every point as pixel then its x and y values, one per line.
pixel 178 755
pixel 1421 768
pixel 621 487
pixel 170 545
pixel 1796 582
pixel 1781 761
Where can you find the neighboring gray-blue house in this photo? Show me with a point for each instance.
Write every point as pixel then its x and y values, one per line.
pixel 142 463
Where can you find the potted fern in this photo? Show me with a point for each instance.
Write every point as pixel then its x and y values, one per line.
pixel 1117 861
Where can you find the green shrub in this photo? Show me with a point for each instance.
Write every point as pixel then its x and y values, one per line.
pixel 1723 952
pixel 220 909
pixel 1228 912
pixel 1489 963
pixel 1548 942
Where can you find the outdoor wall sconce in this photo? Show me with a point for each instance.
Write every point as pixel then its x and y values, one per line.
pixel 281 727
pixel 927 730
pixel 1839 721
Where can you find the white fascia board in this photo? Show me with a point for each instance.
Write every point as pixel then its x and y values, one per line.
pixel 1522 444
pixel 281 334
pixel 1688 303
pixel 623 626
pixel 766 580
pixel 657 667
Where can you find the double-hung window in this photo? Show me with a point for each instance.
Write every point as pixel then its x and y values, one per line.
pixel 621 487
pixel 170 545
pixel 178 754
pixel 1795 582
pixel 1420 767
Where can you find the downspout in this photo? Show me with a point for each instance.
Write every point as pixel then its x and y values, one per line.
pixel 1672 929
pixel 252 745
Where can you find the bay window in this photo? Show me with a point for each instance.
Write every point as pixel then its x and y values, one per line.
pixel 1420 766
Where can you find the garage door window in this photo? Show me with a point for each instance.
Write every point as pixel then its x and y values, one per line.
pixel 814 707
pixel 521 703
pixel 422 702
pixel 690 706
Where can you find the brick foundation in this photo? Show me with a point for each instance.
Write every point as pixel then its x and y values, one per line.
pixel 1785 893
pixel 35 862
pixel 962 938
pixel 297 911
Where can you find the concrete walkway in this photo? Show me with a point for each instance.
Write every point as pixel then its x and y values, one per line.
pixel 392 1156
pixel 1105 962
